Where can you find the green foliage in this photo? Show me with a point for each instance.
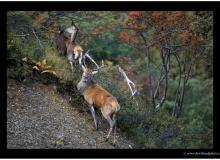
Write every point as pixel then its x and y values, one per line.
pixel 162 129
pixel 20 31
pixel 60 65
pixel 197 116
pixel 16 68
pixel 199 106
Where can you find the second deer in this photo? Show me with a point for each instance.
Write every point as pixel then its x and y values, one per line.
pixel 68 47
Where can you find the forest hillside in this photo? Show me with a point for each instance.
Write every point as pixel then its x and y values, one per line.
pixel 168 55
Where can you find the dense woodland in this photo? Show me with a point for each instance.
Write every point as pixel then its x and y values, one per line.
pixel 167 54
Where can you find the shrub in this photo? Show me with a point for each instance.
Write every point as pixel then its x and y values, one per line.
pixel 15 67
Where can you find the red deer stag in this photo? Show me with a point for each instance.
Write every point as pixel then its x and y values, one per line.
pixel 95 95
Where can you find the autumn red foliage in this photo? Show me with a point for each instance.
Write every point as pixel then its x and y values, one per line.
pixel 132 14
pixel 169 26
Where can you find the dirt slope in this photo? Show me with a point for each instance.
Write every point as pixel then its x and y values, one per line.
pixel 38 117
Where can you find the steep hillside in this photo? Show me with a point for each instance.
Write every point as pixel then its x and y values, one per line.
pixel 39 117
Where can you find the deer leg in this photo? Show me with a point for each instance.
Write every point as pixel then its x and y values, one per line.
pixel 111 126
pixel 93 115
pixel 84 61
pixel 75 63
pixel 114 121
pixel 71 63
pixel 111 123
pixel 80 59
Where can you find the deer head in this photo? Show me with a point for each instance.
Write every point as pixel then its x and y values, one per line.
pixel 73 30
pixel 86 79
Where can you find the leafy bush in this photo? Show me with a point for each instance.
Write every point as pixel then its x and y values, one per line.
pixel 197 116
pixel 198 113
pixel 60 65
pixel 16 68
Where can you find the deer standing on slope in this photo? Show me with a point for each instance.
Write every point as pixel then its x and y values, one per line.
pixel 74 50
pixel 96 95
pixel 68 47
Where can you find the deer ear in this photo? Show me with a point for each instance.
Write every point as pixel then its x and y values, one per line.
pixel 94 72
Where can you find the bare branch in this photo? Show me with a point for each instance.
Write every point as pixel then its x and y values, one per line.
pixel 179 83
pixel 22 35
pixel 37 39
pixel 190 65
pixel 160 103
pixel 165 60
pixel 185 79
pixel 129 82
pixel 149 73
pixel 91 59
pixel 152 91
pixel 159 82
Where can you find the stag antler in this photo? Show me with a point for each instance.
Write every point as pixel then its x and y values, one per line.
pixel 129 82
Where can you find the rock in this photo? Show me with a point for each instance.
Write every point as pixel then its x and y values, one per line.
pixel 92 142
